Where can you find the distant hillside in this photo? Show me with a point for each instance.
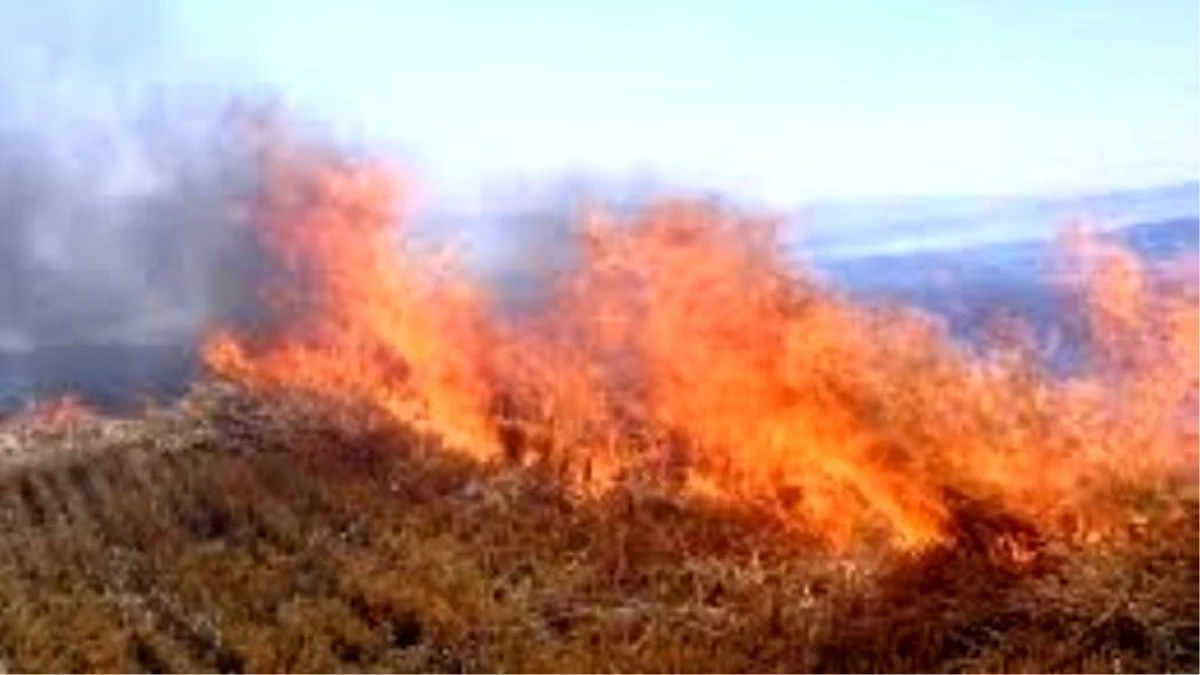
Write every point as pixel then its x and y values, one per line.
pixel 906 225
pixel 1154 241
pixel 1163 240
pixel 965 285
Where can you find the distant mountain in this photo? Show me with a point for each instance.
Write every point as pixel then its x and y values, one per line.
pixel 1164 239
pixel 967 285
pixel 849 229
pixel 1153 241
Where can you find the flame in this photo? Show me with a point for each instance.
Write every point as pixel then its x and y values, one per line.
pixel 365 322
pixel 54 413
pixel 683 350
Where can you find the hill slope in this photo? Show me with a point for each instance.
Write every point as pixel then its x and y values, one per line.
pixel 966 285
pixel 229 535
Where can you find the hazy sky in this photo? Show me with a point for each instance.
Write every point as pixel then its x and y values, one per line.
pixel 788 100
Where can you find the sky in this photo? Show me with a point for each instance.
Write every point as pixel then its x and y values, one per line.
pixel 785 101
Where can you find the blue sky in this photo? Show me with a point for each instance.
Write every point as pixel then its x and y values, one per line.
pixel 786 100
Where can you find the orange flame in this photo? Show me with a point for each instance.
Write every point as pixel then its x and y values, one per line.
pixel 366 323
pixel 683 351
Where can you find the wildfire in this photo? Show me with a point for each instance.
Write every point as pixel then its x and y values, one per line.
pixel 683 349
pixel 362 322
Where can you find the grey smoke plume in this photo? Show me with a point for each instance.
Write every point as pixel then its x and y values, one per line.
pixel 90 255
pixel 121 177
pixel 121 171
pixel 117 186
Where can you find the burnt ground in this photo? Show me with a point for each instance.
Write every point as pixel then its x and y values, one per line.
pixel 222 534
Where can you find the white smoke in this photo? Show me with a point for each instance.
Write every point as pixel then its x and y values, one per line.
pixel 116 180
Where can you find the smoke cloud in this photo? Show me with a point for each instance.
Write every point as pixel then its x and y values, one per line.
pixel 123 182
pixel 121 176
pixel 116 185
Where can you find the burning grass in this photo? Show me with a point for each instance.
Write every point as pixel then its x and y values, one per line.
pixel 237 533
pixel 689 457
pixel 682 350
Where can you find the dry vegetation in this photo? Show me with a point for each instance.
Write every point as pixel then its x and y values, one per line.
pixel 691 458
pixel 228 533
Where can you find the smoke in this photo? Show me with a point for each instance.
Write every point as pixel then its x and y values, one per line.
pixel 118 182
pixel 124 174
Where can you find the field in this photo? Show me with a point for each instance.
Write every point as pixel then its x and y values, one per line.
pixel 687 456
pixel 227 534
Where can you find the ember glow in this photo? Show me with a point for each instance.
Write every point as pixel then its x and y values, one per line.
pixel 683 350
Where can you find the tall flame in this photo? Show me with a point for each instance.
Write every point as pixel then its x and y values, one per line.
pixel 683 349
pixel 363 321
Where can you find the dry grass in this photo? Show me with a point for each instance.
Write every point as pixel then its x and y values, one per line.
pixel 233 533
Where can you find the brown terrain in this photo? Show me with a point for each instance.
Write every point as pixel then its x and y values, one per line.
pixel 229 535
pixel 689 459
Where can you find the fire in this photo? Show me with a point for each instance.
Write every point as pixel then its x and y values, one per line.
pixel 682 349
pixel 54 413
pixel 363 322
pixel 702 353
